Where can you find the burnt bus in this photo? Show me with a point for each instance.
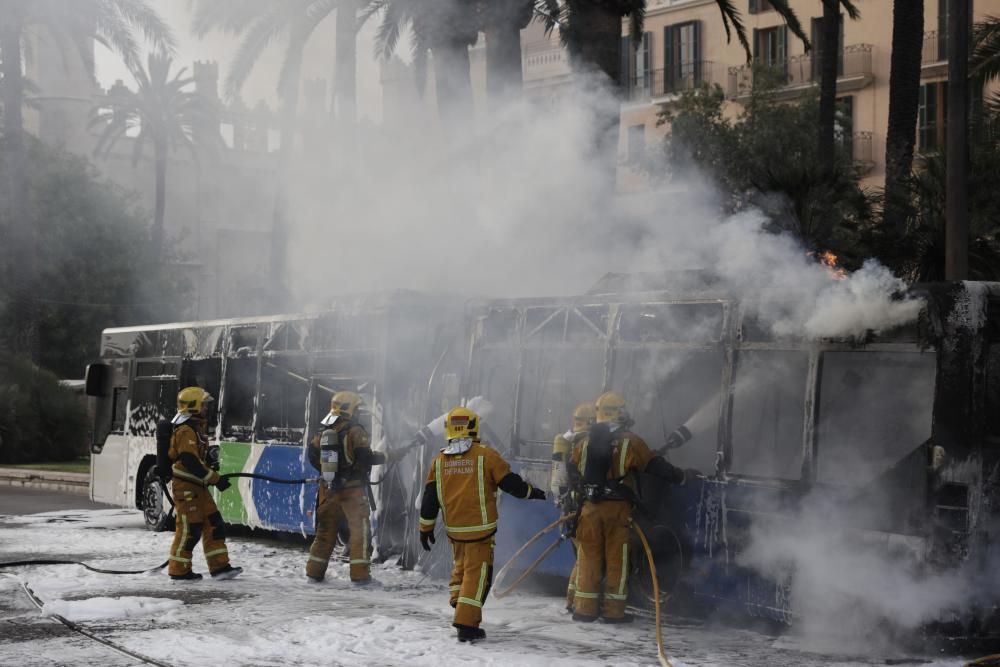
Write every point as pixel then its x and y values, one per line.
pixel 891 442
pixel 272 378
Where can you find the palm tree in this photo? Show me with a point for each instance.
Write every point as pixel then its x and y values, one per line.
pixel 446 30
pixel 503 22
pixel 163 112
pixel 829 54
pixel 984 63
pixel 904 98
pixel 72 24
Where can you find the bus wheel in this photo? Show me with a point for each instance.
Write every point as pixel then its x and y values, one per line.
pixel 157 519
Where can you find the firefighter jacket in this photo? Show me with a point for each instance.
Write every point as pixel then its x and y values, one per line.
pixel 188 453
pixel 357 456
pixel 629 453
pixel 464 487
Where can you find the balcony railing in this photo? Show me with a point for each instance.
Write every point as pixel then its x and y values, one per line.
pixel 859 145
pixel 661 82
pixel 855 62
pixel 935 48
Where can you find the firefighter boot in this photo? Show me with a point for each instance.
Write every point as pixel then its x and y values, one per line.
pixel 227 572
pixel 467 633
pixel 187 576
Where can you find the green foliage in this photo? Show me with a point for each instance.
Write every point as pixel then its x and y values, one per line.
pixel 767 157
pixel 921 254
pixel 94 266
pixel 39 419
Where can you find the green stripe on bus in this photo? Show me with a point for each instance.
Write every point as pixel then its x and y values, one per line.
pixel 233 457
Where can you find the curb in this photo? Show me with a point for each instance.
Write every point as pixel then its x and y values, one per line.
pixel 71 482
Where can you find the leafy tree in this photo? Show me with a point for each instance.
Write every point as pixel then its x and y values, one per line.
pixel 39 419
pixel 768 158
pixel 162 112
pixel 114 23
pixel 95 270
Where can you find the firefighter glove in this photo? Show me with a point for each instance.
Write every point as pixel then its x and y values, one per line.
pixel 426 540
pixel 536 494
pixel 223 484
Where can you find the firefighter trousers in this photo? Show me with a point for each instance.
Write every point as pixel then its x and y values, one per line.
pixel 571 587
pixel 198 518
pixel 351 505
pixel 471 579
pixel 602 539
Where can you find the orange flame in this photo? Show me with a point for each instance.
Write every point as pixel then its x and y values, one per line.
pixel 829 262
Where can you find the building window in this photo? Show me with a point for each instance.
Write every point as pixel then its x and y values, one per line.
pixel 636 66
pixel 758 6
pixel 636 141
pixel 932 116
pixel 682 56
pixel 770 47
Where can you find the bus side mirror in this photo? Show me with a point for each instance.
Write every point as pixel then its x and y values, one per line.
pixel 96 380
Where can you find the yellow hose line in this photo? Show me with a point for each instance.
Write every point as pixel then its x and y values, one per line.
pixel 537 536
pixel 987 660
pixel 656 596
pixel 528 570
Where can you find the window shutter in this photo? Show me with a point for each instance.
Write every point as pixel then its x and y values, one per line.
pixel 626 64
pixel 647 53
pixel 668 59
pixel 782 63
pixel 697 52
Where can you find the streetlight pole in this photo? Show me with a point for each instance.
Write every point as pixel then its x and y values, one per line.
pixel 957 142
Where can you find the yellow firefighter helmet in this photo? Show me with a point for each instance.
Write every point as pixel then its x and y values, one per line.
pixel 345 404
pixel 611 407
pixel 191 401
pixel 461 423
pixel 583 416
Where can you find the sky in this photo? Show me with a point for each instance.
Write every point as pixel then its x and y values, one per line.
pixel 262 85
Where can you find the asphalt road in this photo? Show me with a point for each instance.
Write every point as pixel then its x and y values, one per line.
pixel 21 500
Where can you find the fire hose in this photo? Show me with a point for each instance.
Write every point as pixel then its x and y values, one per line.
pixel 661 655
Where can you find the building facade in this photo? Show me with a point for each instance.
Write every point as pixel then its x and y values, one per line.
pixel 684 45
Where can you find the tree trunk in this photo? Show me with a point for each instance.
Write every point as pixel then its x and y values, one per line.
pixel 345 72
pixel 504 70
pixel 156 237
pixel 957 175
pixel 20 241
pixel 278 296
pixel 453 84
pixel 829 54
pixel 595 40
pixel 594 44
pixel 904 98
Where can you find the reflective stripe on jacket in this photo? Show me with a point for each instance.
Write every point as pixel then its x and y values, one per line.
pixel 466 486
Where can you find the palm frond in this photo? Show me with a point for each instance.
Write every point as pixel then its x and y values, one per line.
pixel 852 12
pixel 550 14
pixel 984 62
pixel 140 16
pixel 265 31
pixel 732 21
pixel 791 19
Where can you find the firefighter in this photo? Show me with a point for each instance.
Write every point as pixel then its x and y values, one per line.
pixel 197 515
pixel 342 453
pixel 600 465
pixel 583 419
pixel 462 483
